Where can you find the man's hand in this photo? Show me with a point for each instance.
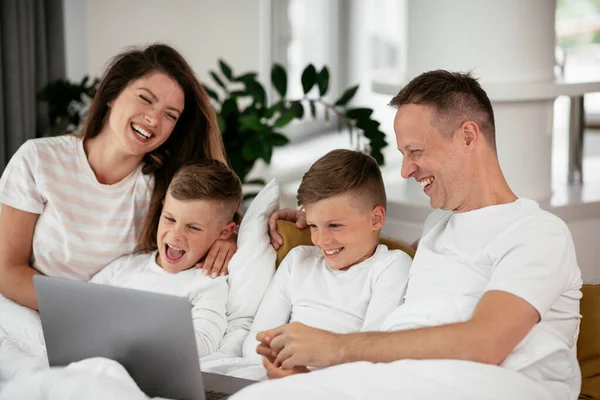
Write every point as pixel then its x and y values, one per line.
pixel 287 214
pixel 296 344
pixel 274 373
pixel 216 262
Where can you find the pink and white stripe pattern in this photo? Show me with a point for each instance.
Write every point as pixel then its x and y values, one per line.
pixel 83 224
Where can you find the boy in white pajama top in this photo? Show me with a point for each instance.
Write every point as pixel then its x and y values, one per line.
pixel 347 282
pixel 198 209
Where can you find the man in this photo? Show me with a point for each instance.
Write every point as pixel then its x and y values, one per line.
pixel 492 304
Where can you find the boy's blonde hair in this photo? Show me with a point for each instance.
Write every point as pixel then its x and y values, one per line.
pixel 202 180
pixel 340 172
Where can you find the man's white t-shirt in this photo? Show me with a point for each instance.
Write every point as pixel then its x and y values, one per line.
pixel 304 289
pixel 83 224
pixel 516 248
pixel 207 296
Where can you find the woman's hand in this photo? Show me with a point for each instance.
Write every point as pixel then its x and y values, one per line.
pixel 287 214
pixel 216 262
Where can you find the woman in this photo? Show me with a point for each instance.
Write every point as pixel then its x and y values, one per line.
pixel 72 204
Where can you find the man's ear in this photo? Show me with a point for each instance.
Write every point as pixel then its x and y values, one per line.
pixel 228 230
pixel 470 133
pixel 377 217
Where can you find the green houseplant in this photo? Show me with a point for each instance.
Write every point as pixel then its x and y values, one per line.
pixel 67 103
pixel 251 126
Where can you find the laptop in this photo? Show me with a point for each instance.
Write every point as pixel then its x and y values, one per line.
pixel 150 334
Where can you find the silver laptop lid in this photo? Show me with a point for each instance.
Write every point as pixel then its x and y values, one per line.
pixel 150 334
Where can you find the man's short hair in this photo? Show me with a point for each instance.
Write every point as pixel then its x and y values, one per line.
pixel 340 172
pixel 455 97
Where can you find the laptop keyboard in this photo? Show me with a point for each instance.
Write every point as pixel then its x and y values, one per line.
pixel 210 395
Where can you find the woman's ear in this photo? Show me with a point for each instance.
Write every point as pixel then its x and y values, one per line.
pixel 228 230
pixel 377 217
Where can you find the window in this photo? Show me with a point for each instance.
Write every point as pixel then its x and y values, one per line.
pixel 387 39
pixel 577 58
pixel 304 32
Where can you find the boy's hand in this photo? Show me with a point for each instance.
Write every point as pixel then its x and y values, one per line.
pixel 286 214
pixel 296 344
pixel 263 348
pixel 274 373
pixel 216 262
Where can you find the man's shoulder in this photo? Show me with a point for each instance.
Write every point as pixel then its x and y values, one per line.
pixel 531 229
pixel 534 221
pixel 436 216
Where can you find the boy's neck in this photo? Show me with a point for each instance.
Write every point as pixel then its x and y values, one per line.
pixel 368 255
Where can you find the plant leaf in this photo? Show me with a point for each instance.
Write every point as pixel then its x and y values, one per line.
pixel 277 139
pixel 256 90
pixel 309 77
pixel 252 149
pixel 229 108
pixel 217 79
pixel 267 153
pixel 246 76
pixel 347 96
pixel 211 93
pixel 323 81
pixel 256 182
pixel 297 108
pixel 271 110
pixel 222 124
pixel 251 122
pixel 367 124
pixel 359 113
pixel 279 79
pixel 226 70
pixel 249 196
pixel 238 93
pixel 284 119
pixel 313 109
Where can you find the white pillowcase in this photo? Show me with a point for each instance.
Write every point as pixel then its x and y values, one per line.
pixel 250 269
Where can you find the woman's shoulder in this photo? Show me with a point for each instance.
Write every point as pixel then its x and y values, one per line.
pixel 64 146
pixel 67 141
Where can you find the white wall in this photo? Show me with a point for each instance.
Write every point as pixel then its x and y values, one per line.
pixel 74 18
pixel 202 30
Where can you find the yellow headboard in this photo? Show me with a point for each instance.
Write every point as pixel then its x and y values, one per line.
pixel 293 237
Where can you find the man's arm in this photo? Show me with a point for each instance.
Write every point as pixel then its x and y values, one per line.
pixel 500 321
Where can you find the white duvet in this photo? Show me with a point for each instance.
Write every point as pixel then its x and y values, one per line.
pixel 22 349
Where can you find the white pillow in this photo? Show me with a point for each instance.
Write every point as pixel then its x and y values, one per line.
pixel 250 269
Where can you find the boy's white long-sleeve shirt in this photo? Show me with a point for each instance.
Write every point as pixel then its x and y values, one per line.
pixel 306 290
pixel 207 296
